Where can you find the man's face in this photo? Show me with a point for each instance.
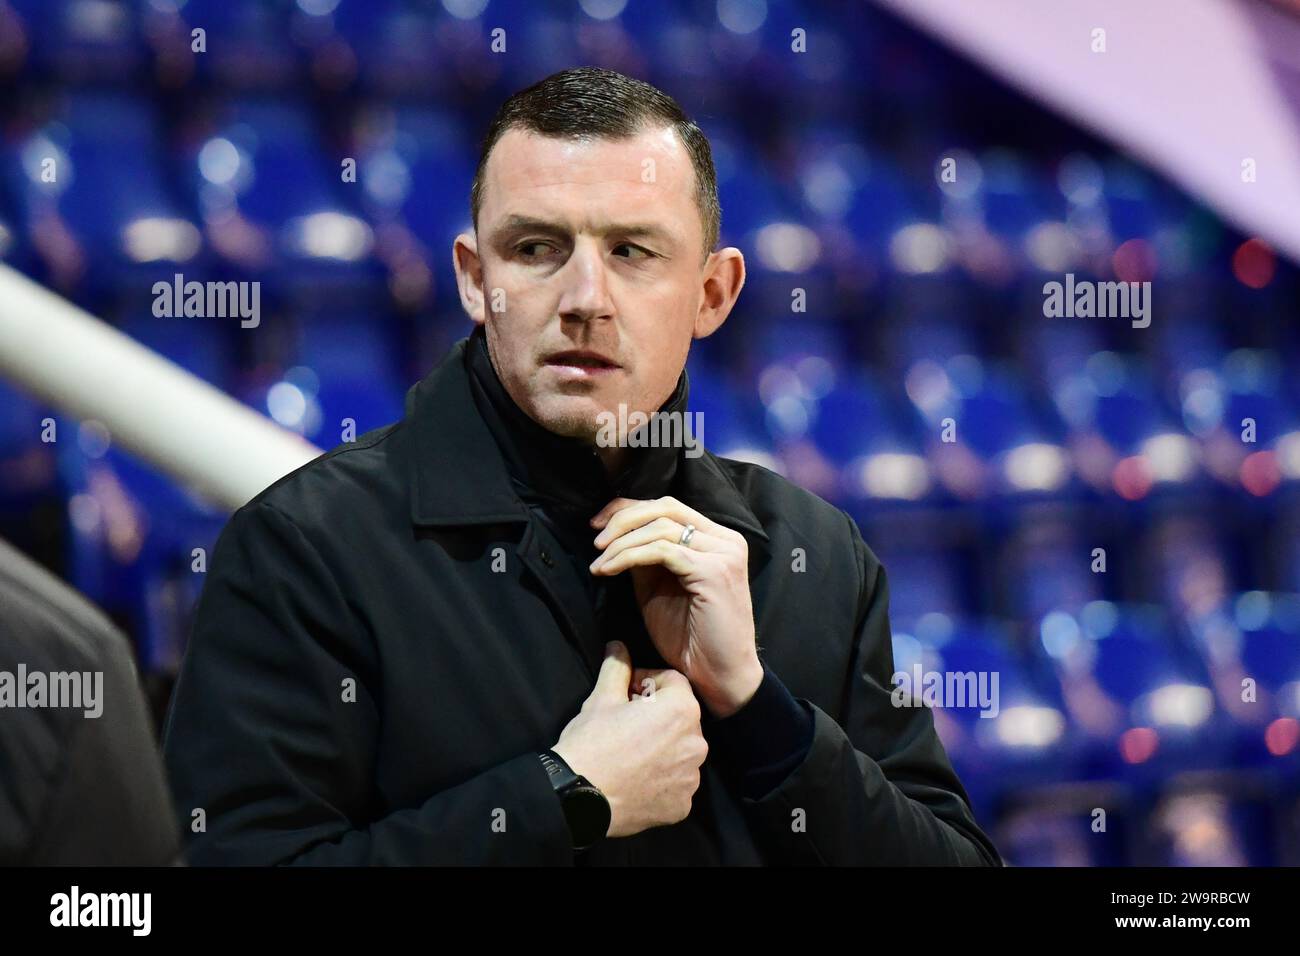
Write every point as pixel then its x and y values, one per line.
pixel 588 269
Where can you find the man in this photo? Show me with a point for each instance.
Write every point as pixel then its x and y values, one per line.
pixel 498 632
pixel 80 779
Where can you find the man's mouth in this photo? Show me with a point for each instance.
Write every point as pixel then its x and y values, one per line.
pixel 581 363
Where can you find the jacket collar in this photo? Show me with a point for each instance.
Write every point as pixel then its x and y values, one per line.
pixel 459 476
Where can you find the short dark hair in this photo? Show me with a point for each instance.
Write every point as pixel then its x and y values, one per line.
pixel 588 101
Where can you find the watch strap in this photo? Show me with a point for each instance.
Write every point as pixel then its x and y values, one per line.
pixel 561 774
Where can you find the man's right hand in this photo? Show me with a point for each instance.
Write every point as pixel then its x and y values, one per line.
pixel 642 749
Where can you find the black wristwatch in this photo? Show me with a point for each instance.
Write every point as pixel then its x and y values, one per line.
pixel 585 808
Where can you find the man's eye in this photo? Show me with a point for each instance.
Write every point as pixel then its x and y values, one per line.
pixel 632 252
pixel 531 250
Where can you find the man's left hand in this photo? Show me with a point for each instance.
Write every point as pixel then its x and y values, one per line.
pixel 694 597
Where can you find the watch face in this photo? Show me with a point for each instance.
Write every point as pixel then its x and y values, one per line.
pixel 588 814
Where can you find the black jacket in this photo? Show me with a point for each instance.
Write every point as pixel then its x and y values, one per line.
pixel 390 634
pixel 75 788
pixel 563 483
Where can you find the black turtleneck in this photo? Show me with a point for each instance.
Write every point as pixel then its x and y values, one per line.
pixel 561 470
pixel 564 483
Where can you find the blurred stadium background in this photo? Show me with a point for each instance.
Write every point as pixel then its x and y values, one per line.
pixel 1120 689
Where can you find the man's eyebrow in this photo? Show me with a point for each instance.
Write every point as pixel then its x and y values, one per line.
pixel 517 223
pixel 640 230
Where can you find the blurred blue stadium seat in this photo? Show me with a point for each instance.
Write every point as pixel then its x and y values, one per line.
pixel 273 202
pixel 93 194
pixel 1141 708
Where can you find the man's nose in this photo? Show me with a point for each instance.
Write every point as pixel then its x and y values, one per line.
pixel 586 288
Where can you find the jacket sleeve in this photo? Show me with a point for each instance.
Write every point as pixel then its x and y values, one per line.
pixel 876 789
pixel 110 805
pixel 765 739
pixel 266 739
pixel 79 786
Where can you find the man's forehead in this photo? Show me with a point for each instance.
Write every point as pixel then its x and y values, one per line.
pixel 652 163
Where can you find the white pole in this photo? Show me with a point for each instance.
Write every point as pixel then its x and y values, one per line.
pixel 182 425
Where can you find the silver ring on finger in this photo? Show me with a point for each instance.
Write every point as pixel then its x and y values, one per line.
pixel 687 533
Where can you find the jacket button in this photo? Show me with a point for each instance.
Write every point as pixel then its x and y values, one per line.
pixel 547 559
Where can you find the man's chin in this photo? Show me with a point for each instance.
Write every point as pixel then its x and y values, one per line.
pixel 571 417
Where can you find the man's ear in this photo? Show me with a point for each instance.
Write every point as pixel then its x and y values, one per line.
pixel 469 275
pixel 724 277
